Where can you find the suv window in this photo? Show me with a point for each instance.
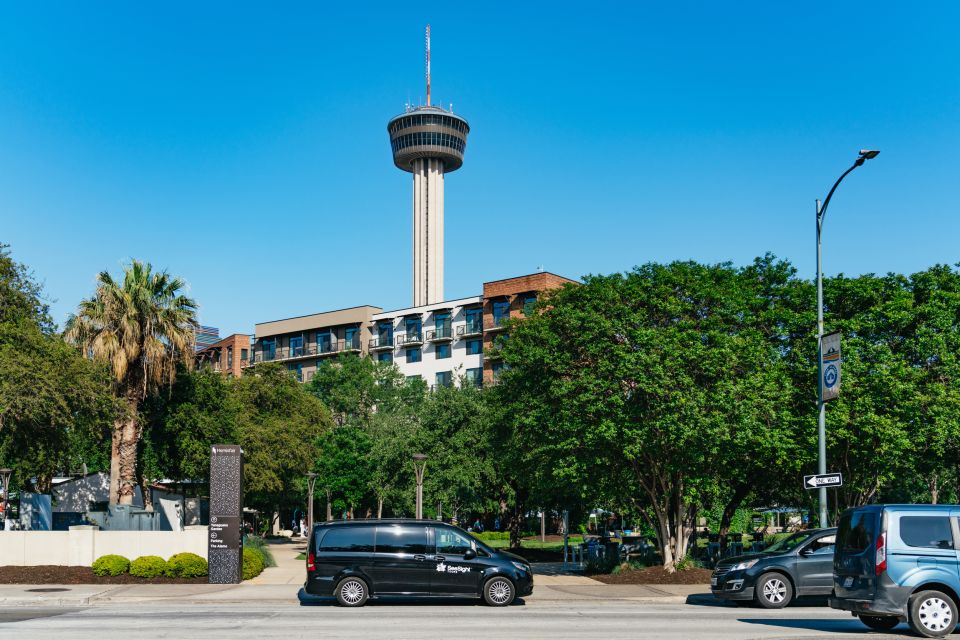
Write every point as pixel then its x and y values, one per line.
pixel 450 542
pixel 822 545
pixel 856 532
pixel 397 539
pixel 930 532
pixel 348 540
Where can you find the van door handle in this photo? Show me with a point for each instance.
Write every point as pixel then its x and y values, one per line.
pixel 419 557
pixel 440 558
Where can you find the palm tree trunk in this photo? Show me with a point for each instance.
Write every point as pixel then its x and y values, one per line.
pixel 127 455
pixel 115 462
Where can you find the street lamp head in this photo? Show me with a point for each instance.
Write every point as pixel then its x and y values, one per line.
pixel 311 474
pixel 419 456
pixel 869 154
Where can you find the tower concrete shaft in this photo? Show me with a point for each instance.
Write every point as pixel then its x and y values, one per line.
pixel 427 231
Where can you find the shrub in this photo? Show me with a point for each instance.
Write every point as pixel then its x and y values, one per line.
pixel 491 535
pixel 186 565
pixel 258 544
pixel 686 563
pixel 110 565
pixel 148 567
pixel 252 563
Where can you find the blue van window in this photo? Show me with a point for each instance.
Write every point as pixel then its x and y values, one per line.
pixel 856 532
pixel 348 540
pixel 929 532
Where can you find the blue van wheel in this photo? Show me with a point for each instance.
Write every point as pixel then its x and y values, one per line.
pixel 933 614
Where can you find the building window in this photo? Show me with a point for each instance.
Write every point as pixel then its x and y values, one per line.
pixel 442 324
pixel 297 370
pixel 385 333
pixel 474 347
pixel 444 378
pixel 323 341
pixel 501 312
pixel 385 356
pixel 296 346
pixel 443 351
pixel 529 301
pixel 413 355
pixel 413 327
pixel 229 357
pixel 351 338
pixel 497 369
pixel 244 354
pixel 474 320
pixel 475 376
pixel 268 349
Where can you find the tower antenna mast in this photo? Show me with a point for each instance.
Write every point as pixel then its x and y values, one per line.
pixel 428 65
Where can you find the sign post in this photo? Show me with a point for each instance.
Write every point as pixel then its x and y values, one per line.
pixel 224 550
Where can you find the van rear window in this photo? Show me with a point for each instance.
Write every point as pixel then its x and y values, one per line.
pixel 857 532
pixel 348 540
pixel 929 532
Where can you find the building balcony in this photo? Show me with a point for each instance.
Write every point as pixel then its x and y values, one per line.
pixel 440 334
pixel 499 324
pixel 410 340
pixel 287 354
pixel 470 330
pixel 381 344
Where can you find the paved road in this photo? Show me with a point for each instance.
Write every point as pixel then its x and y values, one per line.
pixel 553 620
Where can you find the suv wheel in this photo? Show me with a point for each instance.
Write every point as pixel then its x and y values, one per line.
pixel 933 614
pixel 773 591
pixel 880 623
pixel 498 592
pixel 352 592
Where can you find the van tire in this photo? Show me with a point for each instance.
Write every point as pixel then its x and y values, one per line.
pixel 927 612
pixel 352 592
pixel 880 623
pixel 498 591
pixel 773 591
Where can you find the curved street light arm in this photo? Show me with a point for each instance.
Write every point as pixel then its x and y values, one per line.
pixel 823 208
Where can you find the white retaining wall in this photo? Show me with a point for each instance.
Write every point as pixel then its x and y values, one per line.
pixel 80 546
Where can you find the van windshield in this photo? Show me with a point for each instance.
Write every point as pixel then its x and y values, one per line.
pixel 790 543
pixel 856 532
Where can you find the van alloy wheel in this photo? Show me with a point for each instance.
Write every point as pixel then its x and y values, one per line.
pixel 498 592
pixel 352 592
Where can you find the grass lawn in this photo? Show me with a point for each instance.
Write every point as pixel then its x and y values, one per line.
pixel 553 543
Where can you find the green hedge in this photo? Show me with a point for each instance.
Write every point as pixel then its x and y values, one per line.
pixel 110 565
pixel 252 563
pixel 148 567
pixel 186 565
pixel 491 535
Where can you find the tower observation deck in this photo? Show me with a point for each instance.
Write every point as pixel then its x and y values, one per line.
pixel 429 142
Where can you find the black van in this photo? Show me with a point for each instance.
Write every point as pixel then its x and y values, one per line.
pixel 358 559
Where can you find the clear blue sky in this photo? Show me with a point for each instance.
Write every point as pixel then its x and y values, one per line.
pixel 244 146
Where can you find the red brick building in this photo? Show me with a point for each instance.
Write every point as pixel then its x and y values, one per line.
pixel 227 356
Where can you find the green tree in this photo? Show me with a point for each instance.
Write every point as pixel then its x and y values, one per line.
pixel 142 328
pixel 277 426
pixel 343 467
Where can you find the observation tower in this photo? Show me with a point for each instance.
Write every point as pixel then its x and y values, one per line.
pixel 428 141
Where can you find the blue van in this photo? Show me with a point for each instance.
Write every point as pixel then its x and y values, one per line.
pixel 898 563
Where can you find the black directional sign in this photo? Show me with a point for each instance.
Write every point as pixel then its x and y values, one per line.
pixel 825 480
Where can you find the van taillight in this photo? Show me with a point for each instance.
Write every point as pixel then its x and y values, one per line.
pixel 881 560
pixel 311 563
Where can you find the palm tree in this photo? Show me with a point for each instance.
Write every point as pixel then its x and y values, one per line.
pixel 142 328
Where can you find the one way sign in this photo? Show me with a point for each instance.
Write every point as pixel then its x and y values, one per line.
pixel 825 480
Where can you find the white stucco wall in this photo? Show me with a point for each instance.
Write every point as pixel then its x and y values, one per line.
pixel 80 546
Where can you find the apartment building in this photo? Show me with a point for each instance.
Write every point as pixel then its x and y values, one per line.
pixel 441 342
pixel 505 299
pixel 302 343
pixel 227 356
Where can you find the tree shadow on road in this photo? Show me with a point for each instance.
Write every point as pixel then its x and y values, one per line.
pixel 846 626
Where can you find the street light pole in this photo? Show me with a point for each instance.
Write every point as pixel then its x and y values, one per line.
pixel 865 155
pixel 419 466
pixel 311 481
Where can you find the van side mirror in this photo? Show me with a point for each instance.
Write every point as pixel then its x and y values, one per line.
pixel 469 554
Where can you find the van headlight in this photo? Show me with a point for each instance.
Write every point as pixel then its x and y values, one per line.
pixel 744 565
pixel 521 566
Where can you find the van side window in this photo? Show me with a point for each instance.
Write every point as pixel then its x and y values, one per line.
pixel 930 532
pixel 397 539
pixel 451 543
pixel 348 540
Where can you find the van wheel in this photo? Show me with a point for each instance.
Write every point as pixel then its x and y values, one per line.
pixel 498 592
pixel 933 614
pixel 880 623
pixel 773 591
pixel 352 592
